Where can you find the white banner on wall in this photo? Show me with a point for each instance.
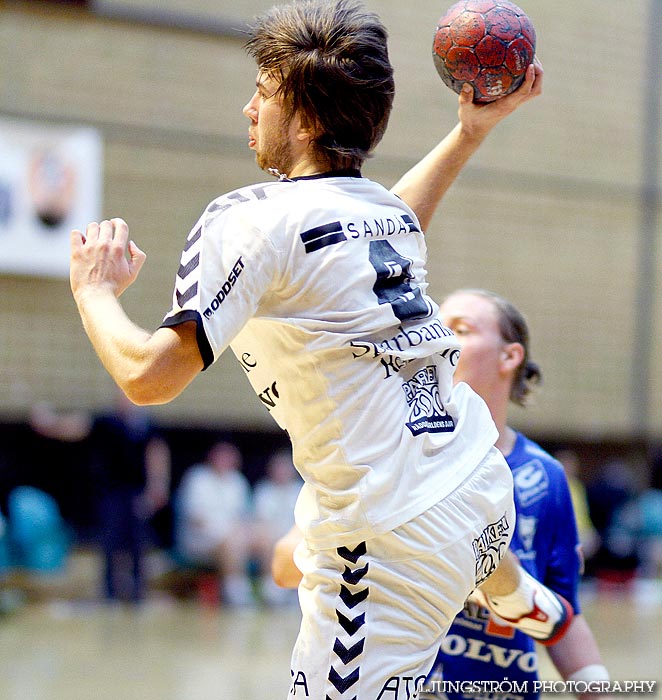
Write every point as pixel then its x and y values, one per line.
pixel 50 183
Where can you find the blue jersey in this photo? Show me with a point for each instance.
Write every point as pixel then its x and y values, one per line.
pixel 476 648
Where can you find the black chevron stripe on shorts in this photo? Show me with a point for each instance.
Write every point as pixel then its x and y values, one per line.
pixel 345 668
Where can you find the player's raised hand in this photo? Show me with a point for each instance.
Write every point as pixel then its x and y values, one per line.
pixel 480 118
pixel 103 258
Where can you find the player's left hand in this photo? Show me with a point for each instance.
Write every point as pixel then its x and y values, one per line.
pixel 103 258
pixel 480 118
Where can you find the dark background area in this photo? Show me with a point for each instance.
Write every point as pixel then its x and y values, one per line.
pixel 63 469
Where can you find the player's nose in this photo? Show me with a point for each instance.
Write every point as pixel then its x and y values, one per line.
pixel 250 108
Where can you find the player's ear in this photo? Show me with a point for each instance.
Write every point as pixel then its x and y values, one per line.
pixel 512 356
pixel 306 132
pixel 306 136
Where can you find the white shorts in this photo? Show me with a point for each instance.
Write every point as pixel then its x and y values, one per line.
pixel 373 615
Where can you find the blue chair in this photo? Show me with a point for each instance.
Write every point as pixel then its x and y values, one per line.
pixel 39 538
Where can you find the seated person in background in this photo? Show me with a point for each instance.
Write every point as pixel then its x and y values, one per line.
pixel 588 535
pixel 638 523
pixel 615 562
pixel 212 520
pixel 274 498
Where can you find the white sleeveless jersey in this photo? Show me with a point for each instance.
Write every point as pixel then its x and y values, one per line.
pixel 318 286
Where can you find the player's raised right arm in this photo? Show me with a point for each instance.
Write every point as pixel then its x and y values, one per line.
pixel 150 368
pixel 424 185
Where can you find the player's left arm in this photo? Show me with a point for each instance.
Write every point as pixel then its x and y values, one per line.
pixel 285 572
pixel 424 185
pixel 576 655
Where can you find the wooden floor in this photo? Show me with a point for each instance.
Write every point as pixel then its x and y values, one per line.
pixel 63 649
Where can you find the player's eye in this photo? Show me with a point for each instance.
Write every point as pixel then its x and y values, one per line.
pixel 265 94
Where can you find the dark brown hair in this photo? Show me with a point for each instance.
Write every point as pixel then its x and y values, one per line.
pixel 331 60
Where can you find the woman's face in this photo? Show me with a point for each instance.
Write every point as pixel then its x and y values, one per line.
pixel 474 320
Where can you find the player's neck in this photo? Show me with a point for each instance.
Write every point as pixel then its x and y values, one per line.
pixel 306 163
pixel 498 405
pixel 306 170
pixel 506 441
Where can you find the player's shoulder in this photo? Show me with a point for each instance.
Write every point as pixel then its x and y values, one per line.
pixel 279 193
pixel 527 449
pixel 245 197
pixel 535 470
pixel 259 209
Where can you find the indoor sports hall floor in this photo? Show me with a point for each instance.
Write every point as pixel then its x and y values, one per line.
pixel 73 649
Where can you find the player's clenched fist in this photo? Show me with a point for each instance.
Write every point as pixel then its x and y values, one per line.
pixel 103 258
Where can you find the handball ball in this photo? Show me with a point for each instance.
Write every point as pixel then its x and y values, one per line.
pixel 488 43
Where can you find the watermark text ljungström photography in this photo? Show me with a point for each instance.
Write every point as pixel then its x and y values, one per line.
pixel 554 687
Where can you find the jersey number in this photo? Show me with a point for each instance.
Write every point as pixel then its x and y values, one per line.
pixel 392 284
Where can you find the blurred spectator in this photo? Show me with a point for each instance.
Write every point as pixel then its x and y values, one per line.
pixel 130 463
pixel 641 518
pixel 588 535
pixel 9 598
pixel 274 500
pixel 5 558
pixel 212 520
pixel 615 562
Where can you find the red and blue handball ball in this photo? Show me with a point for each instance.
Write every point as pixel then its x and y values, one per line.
pixel 487 43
